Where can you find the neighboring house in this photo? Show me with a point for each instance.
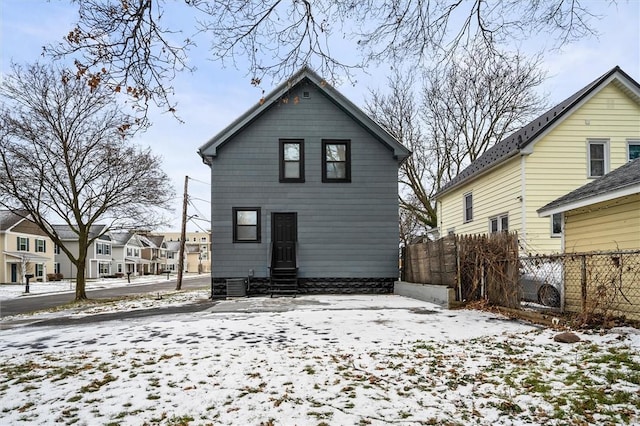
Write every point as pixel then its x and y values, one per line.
pixel 594 131
pixel 197 249
pixel 127 253
pixel 99 252
pixel 172 250
pixel 25 249
pixel 153 252
pixel 305 194
pixel 602 215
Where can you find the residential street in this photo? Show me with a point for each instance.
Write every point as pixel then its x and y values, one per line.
pixel 25 304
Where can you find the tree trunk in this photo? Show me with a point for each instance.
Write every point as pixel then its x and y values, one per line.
pixel 81 265
pixel 81 294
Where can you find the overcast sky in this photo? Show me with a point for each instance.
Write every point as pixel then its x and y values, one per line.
pixel 212 97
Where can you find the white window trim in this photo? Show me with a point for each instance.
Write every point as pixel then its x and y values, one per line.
pixel 499 218
pixel 604 142
pixel 629 143
pixel 464 207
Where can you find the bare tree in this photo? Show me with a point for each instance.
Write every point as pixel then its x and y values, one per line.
pixel 65 156
pixel 475 101
pixel 129 45
pixel 468 104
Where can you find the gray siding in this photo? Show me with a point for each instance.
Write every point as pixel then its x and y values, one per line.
pixel 345 230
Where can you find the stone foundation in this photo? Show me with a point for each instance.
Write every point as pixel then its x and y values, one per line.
pixel 260 286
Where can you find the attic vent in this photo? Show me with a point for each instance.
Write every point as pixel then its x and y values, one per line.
pixel 306 95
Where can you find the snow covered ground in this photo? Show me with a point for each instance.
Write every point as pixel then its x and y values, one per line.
pixel 10 291
pixel 312 360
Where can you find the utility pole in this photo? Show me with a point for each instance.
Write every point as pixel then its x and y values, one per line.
pixel 183 234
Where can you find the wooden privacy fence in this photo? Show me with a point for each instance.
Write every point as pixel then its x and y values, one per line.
pixel 477 266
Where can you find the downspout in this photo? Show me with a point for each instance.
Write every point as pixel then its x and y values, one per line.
pixel 523 199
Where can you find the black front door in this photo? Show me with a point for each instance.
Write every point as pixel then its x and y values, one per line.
pixel 284 234
pixel 14 272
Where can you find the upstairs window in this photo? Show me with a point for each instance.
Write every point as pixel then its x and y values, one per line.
pixel 56 249
pixel 246 225
pixel 633 149
pixel 291 160
pixel 597 158
pixel 41 246
pixel 336 161
pixel 468 207
pixel 499 223
pixel 23 244
pixel 103 248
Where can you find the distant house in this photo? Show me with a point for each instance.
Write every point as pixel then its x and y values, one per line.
pixel 152 252
pixel 99 252
pixel 172 250
pixel 305 194
pixel 25 249
pixel 594 131
pixel 197 250
pixel 127 253
pixel 602 215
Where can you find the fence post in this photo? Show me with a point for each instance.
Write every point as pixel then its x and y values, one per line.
pixel 583 281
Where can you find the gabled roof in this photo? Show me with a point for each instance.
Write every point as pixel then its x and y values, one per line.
pixel 623 181
pixel 125 238
pixel 173 245
pixel 522 141
pixel 209 149
pixel 65 233
pixel 9 219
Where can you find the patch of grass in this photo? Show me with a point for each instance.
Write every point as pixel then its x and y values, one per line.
pixel 320 415
pixel 179 420
pixel 75 398
pixel 153 397
pixel 309 369
pixel 96 384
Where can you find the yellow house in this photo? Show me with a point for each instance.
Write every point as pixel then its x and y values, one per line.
pixel 24 249
pixel 594 131
pixel 197 250
pixel 603 215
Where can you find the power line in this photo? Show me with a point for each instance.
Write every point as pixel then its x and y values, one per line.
pixel 199 181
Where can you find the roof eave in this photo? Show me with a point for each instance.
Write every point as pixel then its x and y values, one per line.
pixel 588 201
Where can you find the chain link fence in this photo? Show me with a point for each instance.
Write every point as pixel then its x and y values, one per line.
pixel 594 285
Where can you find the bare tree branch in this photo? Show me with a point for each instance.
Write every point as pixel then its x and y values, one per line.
pixel 130 46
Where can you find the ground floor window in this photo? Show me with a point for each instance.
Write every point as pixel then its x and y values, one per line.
pixel 56 268
pixel 103 268
pixel 246 225
pixel 499 223
pixel 556 224
pixel 39 270
pixel 120 267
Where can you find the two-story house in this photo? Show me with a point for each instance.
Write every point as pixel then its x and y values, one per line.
pixel 24 249
pixel 98 262
pixel 594 131
pixel 152 252
pixel 127 253
pixel 197 250
pixel 304 194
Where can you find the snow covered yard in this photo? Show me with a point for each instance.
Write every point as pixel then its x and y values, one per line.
pixel 331 360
